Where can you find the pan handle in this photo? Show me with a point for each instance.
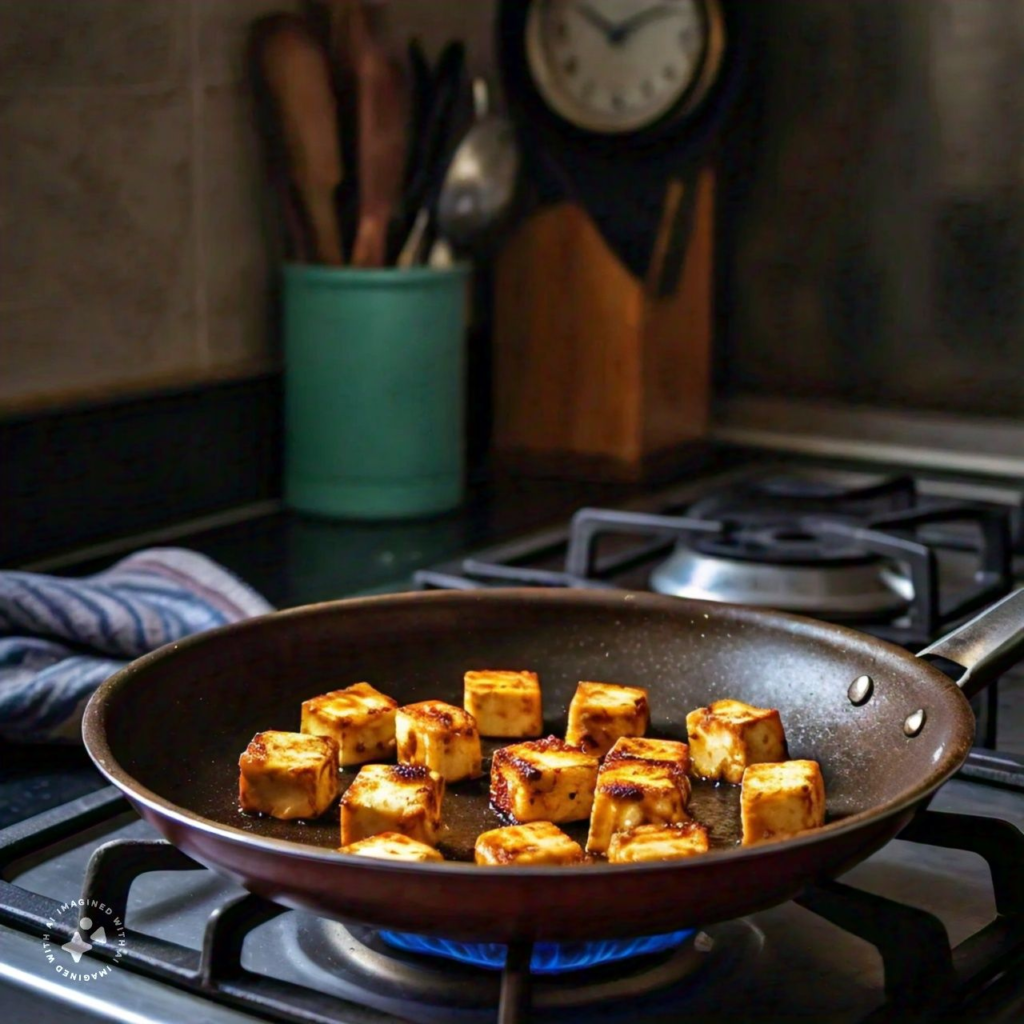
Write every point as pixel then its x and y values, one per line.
pixel 986 646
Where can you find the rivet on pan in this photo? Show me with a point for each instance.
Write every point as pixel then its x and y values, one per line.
pixel 914 722
pixel 860 690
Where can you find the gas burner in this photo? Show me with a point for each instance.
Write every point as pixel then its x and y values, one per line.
pixel 354 957
pixel 772 550
pixel 547 957
pixel 845 584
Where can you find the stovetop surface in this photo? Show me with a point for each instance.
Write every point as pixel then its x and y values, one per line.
pixel 782 964
pixel 788 963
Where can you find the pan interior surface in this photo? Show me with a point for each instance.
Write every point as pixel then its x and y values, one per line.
pixel 174 723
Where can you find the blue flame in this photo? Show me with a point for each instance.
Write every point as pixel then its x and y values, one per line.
pixel 548 957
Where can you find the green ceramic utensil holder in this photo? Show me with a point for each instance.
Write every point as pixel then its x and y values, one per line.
pixel 374 390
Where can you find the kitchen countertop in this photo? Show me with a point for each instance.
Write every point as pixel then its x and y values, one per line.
pixel 294 560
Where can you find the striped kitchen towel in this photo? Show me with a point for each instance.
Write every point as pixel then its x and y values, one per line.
pixel 61 637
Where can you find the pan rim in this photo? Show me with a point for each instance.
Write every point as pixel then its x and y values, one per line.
pixel 98 749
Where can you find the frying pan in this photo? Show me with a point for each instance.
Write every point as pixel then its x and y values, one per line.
pixel 167 730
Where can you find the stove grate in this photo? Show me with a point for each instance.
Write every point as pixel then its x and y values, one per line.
pixel 922 971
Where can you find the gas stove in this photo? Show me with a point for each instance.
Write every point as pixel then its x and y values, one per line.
pixel 931 925
pixel 904 557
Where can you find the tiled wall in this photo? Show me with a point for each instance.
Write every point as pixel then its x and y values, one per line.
pixel 131 247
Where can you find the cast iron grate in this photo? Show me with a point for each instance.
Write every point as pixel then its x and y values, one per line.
pixel 923 974
pixel 885 520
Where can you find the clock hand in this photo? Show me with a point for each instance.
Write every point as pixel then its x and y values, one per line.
pixel 598 20
pixel 624 29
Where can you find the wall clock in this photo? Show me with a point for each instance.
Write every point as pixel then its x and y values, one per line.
pixel 614 99
pixel 618 66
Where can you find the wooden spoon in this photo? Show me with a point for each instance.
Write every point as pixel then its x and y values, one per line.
pixel 382 104
pixel 298 75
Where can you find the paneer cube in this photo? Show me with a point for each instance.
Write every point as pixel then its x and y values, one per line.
pixel 288 775
pixel 543 780
pixel 632 793
pixel 779 800
pixel 360 718
pixel 602 712
pixel 440 737
pixel 658 842
pixel 538 842
pixel 671 753
pixel 505 704
pixel 401 798
pixel 392 846
pixel 729 735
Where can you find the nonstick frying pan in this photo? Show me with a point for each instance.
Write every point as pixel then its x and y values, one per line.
pixel 168 729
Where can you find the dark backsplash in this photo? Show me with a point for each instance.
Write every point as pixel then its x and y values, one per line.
pixel 81 477
pixel 874 207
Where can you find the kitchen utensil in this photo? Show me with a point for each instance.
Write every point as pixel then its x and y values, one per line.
pixel 441 255
pixel 480 182
pixel 411 250
pixel 434 152
pixel 297 72
pixel 671 245
pixel 288 232
pixel 421 87
pixel 168 729
pixel 383 122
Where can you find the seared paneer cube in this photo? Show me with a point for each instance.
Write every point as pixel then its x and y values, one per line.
pixel 671 753
pixel 658 842
pixel 360 718
pixel 729 735
pixel 538 842
pixel 602 712
pixel 779 800
pixel 543 780
pixel 441 737
pixel 504 704
pixel 400 798
pixel 288 775
pixel 392 846
pixel 631 793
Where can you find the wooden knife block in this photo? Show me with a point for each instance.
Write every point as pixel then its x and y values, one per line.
pixel 596 375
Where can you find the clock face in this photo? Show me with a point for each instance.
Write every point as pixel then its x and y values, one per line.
pixel 616 65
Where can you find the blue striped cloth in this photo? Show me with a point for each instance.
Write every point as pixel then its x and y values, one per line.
pixel 60 638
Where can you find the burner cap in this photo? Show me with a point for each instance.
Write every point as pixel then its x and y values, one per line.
pixel 778 539
pixel 859 586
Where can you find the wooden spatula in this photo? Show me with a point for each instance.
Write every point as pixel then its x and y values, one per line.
pixel 382 103
pixel 298 76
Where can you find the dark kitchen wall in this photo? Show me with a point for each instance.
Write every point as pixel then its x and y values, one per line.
pixel 874 207
pixel 132 251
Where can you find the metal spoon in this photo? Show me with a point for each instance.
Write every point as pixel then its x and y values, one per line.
pixel 480 183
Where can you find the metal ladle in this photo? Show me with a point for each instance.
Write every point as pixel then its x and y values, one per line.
pixel 480 183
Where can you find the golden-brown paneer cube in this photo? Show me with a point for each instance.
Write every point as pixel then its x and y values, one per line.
pixel 504 704
pixel 671 753
pixel 401 798
pixel 632 793
pixel 782 799
pixel 288 775
pixel 538 842
pixel 392 846
pixel 440 737
pixel 658 842
pixel 360 718
pixel 543 780
pixel 729 735
pixel 602 712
